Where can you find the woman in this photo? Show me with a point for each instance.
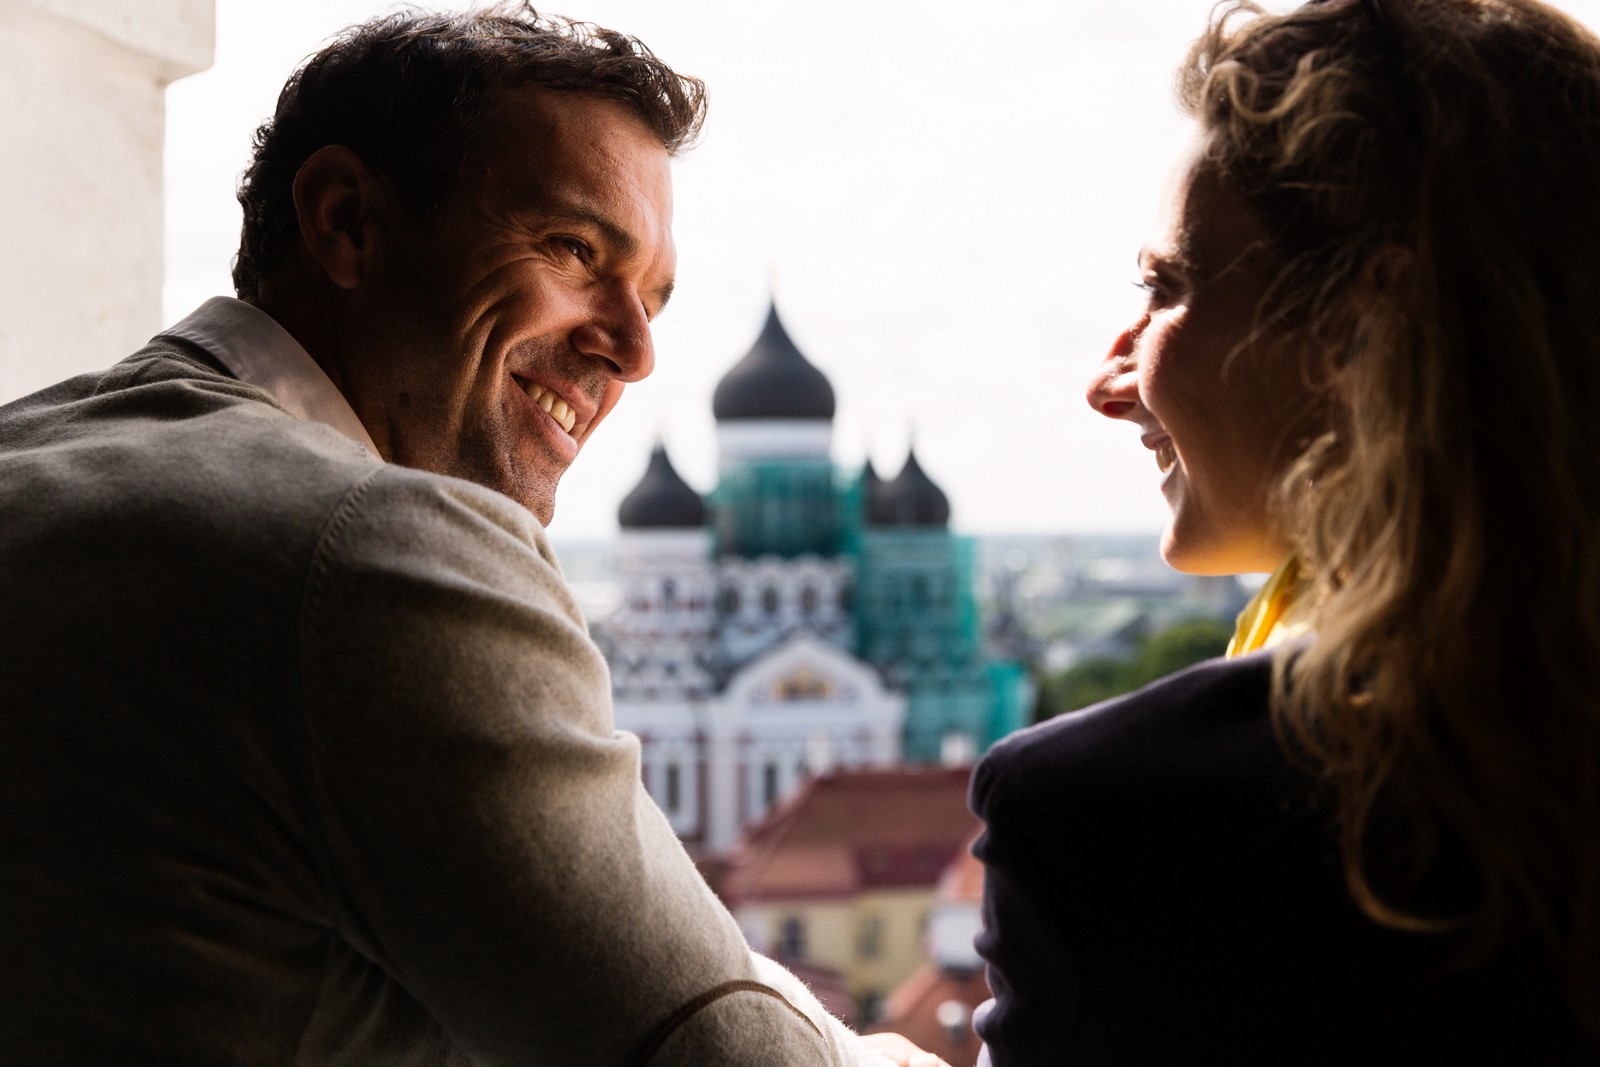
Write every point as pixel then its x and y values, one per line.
pixel 1369 362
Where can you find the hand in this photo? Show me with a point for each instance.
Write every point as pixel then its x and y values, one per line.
pixel 900 1052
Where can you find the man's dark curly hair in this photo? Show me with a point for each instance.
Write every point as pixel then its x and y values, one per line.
pixel 410 92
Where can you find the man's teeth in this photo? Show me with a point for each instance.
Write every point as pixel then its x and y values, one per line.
pixel 1166 457
pixel 553 405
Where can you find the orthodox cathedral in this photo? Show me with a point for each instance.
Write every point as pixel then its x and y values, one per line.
pixel 800 618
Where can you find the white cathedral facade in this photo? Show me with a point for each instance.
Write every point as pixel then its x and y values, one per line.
pixel 737 651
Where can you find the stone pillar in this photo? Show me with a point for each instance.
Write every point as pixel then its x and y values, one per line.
pixel 80 177
pixel 724 753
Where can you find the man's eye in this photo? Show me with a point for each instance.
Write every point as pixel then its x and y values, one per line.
pixel 575 246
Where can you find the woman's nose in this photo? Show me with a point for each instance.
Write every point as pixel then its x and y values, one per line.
pixel 1114 386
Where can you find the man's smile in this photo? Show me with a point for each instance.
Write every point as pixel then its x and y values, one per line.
pixel 557 408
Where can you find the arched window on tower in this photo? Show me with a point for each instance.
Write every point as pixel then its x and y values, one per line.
pixel 669 595
pixel 809 600
pixel 770 600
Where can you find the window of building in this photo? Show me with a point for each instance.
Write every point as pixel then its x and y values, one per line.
pixel 769 784
pixel 792 938
pixel 673 799
pixel 669 595
pixel 869 937
pixel 809 600
pixel 728 600
pixel 770 600
pixel 869 1007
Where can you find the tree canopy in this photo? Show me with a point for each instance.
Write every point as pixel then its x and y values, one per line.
pixel 1155 656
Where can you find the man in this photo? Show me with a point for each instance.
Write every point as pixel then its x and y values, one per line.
pixel 305 755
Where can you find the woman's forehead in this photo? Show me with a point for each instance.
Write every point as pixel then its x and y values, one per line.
pixel 1203 227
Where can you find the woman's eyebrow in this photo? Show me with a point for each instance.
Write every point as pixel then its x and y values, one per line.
pixel 1176 259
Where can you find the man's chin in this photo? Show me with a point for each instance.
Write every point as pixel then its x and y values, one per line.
pixel 542 505
pixel 541 501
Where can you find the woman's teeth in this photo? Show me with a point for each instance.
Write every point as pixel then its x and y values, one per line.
pixel 1166 457
pixel 553 405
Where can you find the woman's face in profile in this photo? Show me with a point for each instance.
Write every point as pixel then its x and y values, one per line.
pixel 1221 411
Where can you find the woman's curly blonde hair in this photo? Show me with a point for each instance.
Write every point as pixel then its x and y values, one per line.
pixel 1429 171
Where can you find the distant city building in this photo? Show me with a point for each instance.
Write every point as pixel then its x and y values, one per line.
pixel 933 1007
pixel 802 617
pixel 843 876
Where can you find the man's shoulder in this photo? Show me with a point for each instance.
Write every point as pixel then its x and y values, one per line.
pixel 168 423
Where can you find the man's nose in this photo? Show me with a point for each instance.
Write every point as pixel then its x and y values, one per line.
pixel 1114 386
pixel 619 334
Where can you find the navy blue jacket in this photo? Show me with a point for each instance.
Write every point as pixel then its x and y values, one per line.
pixel 1163 887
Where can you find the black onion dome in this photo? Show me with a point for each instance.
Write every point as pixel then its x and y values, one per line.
pixel 910 499
pixel 774 380
pixel 662 499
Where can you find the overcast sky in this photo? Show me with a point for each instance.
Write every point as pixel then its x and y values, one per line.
pixel 945 201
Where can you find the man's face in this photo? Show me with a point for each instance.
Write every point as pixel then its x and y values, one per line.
pixel 489 339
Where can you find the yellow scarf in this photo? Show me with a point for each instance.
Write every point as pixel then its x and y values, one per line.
pixel 1273 615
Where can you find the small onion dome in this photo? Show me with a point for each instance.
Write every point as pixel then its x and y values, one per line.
pixel 661 499
pixel 773 381
pixel 910 499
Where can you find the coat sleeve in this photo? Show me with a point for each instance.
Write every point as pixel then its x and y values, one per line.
pixel 487 833
pixel 1042 1009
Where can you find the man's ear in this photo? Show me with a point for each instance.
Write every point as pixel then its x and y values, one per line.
pixel 335 198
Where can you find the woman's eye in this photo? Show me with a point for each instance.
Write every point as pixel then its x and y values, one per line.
pixel 1153 292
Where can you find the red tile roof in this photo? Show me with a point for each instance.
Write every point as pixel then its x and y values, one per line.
pixel 962 881
pixel 852 830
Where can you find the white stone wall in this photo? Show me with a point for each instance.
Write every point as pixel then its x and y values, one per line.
pixel 842 717
pixel 951 930
pixel 80 177
pixel 742 441
pixel 667 616
pixel 670 742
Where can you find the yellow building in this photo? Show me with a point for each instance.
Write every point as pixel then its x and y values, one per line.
pixel 842 876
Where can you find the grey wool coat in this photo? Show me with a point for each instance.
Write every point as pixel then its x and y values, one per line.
pixel 306 758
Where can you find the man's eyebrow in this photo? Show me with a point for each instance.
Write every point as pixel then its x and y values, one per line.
pixel 624 242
